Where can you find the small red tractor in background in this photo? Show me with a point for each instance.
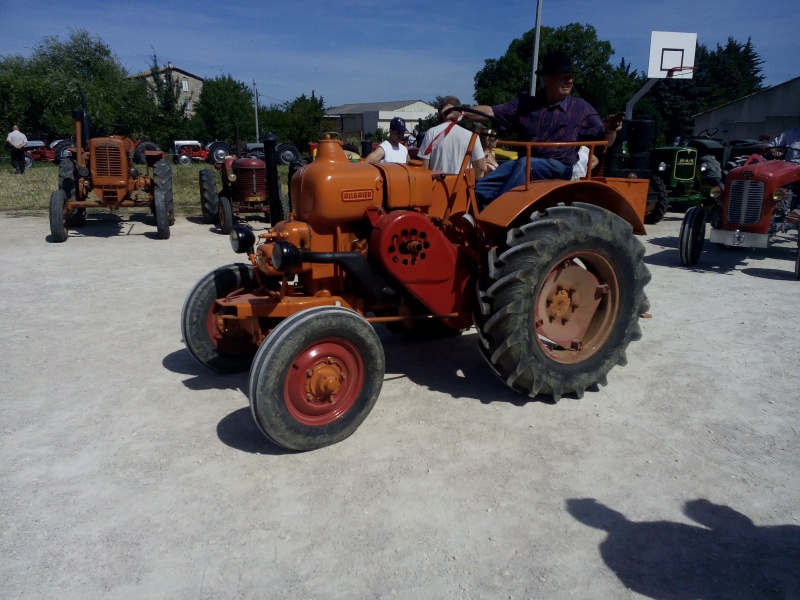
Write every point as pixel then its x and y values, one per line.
pixel 186 151
pixel 247 187
pixel 550 274
pixel 99 173
pixel 760 200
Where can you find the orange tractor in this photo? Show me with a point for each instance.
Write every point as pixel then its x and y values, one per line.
pixel 550 274
pixel 100 173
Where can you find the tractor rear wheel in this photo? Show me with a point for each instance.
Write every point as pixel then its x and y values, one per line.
pixel 657 192
pixel 316 377
pixel 60 151
pixel 163 206
pixel 217 343
pixel 218 151
pixel 225 215
pixel 692 236
pixel 138 153
pixel 58 216
pixel 560 304
pixel 209 199
pixel 287 153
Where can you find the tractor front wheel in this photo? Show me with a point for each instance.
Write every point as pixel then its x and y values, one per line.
pixel 797 263
pixel 162 188
pixel 218 151
pixel 60 151
pixel 183 159
pixel 316 377
pixel 559 306
pixel 692 236
pixel 209 200
pixel 287 153
pixel 58 216
pixel 138 153
pixel 30 162
pixel 225 215
pixel 215 342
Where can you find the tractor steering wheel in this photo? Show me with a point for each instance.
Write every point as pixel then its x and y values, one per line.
pixel 708 132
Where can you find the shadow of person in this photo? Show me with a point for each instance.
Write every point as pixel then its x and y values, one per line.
pixel 727 556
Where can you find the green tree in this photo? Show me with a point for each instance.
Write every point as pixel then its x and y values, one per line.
pixel 224 110
pixel 169 120
pixel 41 92
pixel 596 80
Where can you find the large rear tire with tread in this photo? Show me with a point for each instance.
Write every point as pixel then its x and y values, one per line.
pixel 60 151
pixel 217 343
pixel 209 199
pixel 138 153
pixel 163 205
pixel 560 303
pixel 797 263
pixel 58 216
pixel 287 153
pixel 316 377
pixel 218 151
pixel 658 190
pixel 692 236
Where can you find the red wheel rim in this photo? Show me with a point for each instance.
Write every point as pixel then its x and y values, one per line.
pixel 324 381
pixel 576 307
pixel 226 334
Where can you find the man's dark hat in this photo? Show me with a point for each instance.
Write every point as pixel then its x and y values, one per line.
pixel 556 62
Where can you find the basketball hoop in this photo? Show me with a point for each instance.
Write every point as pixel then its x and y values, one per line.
pixel 671 72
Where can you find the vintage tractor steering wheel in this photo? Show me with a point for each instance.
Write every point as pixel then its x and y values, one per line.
pixel 499 122
pixel 708 132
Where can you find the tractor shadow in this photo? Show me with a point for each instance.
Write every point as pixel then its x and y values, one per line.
pixel 724 556
pixel 108 225
pixel 451 365
pixel 199 377
pixel 254 222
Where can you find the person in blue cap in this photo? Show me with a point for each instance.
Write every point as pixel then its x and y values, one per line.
pixel 392 150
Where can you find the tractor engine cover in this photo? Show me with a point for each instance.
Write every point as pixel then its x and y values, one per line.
pixel 418 255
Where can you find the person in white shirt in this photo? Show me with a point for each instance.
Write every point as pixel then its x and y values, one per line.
pixel 786 145
pixel 17 140
pixel 392 150
pixel 445 145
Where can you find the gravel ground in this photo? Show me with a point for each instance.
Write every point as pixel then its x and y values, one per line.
pixel 128 471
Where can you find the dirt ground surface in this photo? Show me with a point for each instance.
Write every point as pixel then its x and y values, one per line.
pixel 129 471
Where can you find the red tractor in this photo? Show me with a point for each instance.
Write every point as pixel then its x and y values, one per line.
pixel 550 274
pixel 99 173
pixel 246 188
pixel 761 199
pixel 186 151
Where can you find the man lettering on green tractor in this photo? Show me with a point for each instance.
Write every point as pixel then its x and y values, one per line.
pixel 552 115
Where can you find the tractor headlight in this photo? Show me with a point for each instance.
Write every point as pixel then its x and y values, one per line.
pixel 285 256
pixel 779 195
pixel 231 177
pixel 242 239
pixel 703 167
pixel 662 166
pixel 715 192
pixel 83 172
pixel 134 172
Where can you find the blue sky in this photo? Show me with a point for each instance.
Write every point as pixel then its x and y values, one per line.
pixel 357 51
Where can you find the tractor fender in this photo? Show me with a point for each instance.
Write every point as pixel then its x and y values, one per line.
pixel 624 197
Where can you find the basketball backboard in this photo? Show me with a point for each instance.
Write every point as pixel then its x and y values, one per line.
pixel 671 55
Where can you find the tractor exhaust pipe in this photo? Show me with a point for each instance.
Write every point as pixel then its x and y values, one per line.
pixel 270 141
pixel 86 127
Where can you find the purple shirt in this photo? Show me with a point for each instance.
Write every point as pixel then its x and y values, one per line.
pixel 569 120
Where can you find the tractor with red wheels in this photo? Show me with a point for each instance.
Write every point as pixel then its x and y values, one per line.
pixel 758 204
pixel 550 274
pixel 99 172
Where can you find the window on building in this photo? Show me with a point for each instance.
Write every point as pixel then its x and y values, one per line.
pixel 185 86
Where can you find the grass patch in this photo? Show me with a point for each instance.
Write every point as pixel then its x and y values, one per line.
pixel 30 193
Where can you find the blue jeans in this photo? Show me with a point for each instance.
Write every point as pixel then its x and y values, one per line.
pixel 511 174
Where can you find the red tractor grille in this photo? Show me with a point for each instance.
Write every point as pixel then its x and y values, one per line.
pixel 109 160
pixel 745 201
pixel 252 182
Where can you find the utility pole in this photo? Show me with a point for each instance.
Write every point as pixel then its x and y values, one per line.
pixel 255 94
pixel 535 64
